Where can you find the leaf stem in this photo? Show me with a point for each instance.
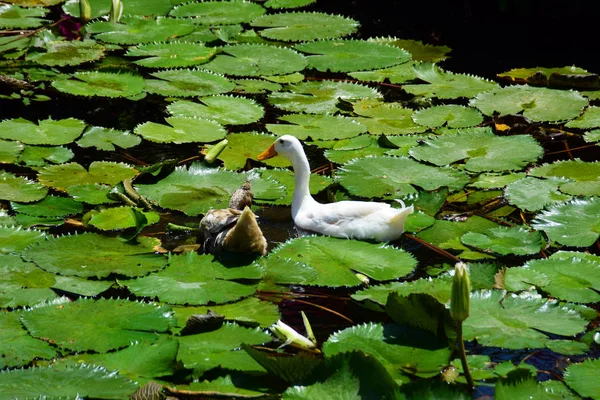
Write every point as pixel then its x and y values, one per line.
pixel 462 354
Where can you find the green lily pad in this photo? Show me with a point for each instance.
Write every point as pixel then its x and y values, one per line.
pixel 66 382
pixel 135 30
pixel 570 223
pixel 256 60
pixel 447 85
pixel 17 188
pixel 15 239
pixel 351 55
pixel 103 324
pixel 47 132
pixel 80 286
pixel 566 275
pixel 255 86
pixel 17 348
pixel 451 115
pixel 40 156
pixel 320 97
pixel 219 13
pixel 15 17
pixel 50 206
pixel 326 261
pixel 505 241
pixel 247 145
pixel 106 139
pixel 379 177
pixel 317 127
pixel 68 52
pixel 482 150
pixel 589 119
pixel 187 83
pixel 592 136
pixel 171 54
pixel 420 51
pixel 386 118
pixel 397 74
pixel 581 378
pixel 536 103
pixel 195 279
pixel 524 75
pixel 343 151
pixel 533 194
pixel 65 175
pixel 182 130
pixel 91 193
pixel 440 288
pixel 519 321
pixel 584 176
pixel 226 386
pixel 304 26
pixel 10 151
pixel 496 181
pixel 226 110
pixel 120 218
pixel 103 256
pixel 279 4
pixel 104 84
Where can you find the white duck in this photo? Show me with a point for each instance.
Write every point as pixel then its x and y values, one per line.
pixel 344 219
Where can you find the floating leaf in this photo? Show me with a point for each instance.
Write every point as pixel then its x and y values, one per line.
pixel 226 386
pixel 171 54
pixel 351 55
pixel 537 104
pixel 50 206
pixel 9 151
pixel 397 74
pixel 40 156
pixel 496 181
pixel 226 110
pixel 137 30
pixel 482 150
pixel 47 132
pixel 320 97
pixel 106 139
pixel 255 86
pixel 17 348
pixel 196 279
pixel 379 177
pixel 533 194
pixel 439 288
pixel 102 325
pixel 15 239
pixel 586 176
pixel 187 83
pixel 256 60
pixel 420 52
pixel 386 118
pixel 91 193
pixel 592 136
pixel 16 188
pixel 317 127
pixel 589 119
pixel 505 241
pixel 447 85
pixel 247 145
pixel 120 218
pixel 65 175
pixel 68 52
pixel 581 377
pixel 15 17
pixel 279 4
pixel 133 7
pixel 102 256
pixel 451 115
pixel 182 130
pixel 326 261
pixel 105 84
pixel 219 13
pixel 343 151
pixel 570 223
pixel 304 26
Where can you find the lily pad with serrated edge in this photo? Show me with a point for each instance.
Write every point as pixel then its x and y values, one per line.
pixel 504 240
pixel 320 97
pixel 447 85
pixel 133 7
pixel 536 103
pixel 418 50
pixel 10 151
pixel 68 52
pixel 533 194
pixel 581 377
pixel 440 288
pixel 16 345
pixel 566 275
pixel 225 386
pixel 584 177
pixel 182 130
pixel 570 223
pixel 482 150
pixel 103 84
pixel 242 146
pixel 187 83
pixel 134 30
pixel 279 4
pixel 102 257
pixel 196 280
pixel 50 206
pixel 317 127
pixel 46 132
pixel 120 218
pixel 106 139
pixel 397 74
pixel 65 175
pixel 451 115
pixel 589 119
pixel 592 136
pixel 91 193
pixel 304 26
pixel 103 324
pixel 40 156
pixel 327 261
pixel 219 13
pixel 386 118
pixel 495 181
pixel 285 177
pixel 256 60
pixel 255 86
pixel 351 55
pixel 14 239
pixel 345 150
pixel 226 110
pixel 15 17
pixel 525 75
pixel 171 54
pixel 380 176
pixel 17 188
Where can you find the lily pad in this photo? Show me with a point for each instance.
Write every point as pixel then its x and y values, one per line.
pixel 279 4
pixel 47 132
pixel 136 30
pixel 15 17
pixel 40 156
pixel 103 324
pixel 120 218
pixel 451 115
pixel 91 193
pixel 65 175
pixel 533 194
pixel 219 13
pixel 9 151
pixel 317 127
pixel 171 54
pixel 440 288
pixel 581 378
pixel 17 188
pixel 104 84
pixel 482 150
pixel 68 52
pixel 386 118
pixel 505 241
pixel 420 51
pixel 536 103
pixel 226 110
pixel 187 83
pixel 351 55
pixel 496 181
pixel 103 256
pixel 570 223
pixel 589 119
pixel 379 177
pixel 17 347
pixel 107 139
pixel 397 74
pixel 304 26
pixel 254 86
pixel 182 130
pixel 50 206
pixel 15 239
pixel 133 7
pixel 343 151
pixel 584 176
pixel 257 60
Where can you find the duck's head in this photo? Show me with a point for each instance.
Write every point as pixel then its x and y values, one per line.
pixel 285 146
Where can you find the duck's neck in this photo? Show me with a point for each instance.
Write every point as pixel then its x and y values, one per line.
pixel 302 177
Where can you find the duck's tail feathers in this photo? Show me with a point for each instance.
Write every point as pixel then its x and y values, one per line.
pixel 399 219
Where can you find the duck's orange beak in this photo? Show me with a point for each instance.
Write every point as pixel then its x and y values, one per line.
pixel 268 153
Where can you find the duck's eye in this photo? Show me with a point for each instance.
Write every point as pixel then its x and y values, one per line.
pixel 282 141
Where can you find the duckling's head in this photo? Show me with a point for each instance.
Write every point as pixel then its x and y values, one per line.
pixel 285 146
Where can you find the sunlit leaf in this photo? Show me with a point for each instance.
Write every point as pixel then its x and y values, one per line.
pixel 419 50
pixel 219 13
pixel 15 17
pixel 65 175
pixel 40 156
pixel 17 347
pixel 584 176
pixel 452 115
pixel 438 288
pixel 317 127
pixel 186 83
pixel 15 239
pixel 386 118
pixel 106 139
pixel 589 119
pixel 279 4
pixel 71 52
pixel 171 54
pixel 581 378
pixel 505 241
pixel 105 84
pixel 50 206
pixel 47 132
pixel 9 151
pixel 304 26
pixel 533 194
pixel 120 218
pixel 137 30
pixel 397 74
pixel 132 7
pixel 255 86
pixel 345 150
pixel 17 188
pixel 226 110
pixel 182 130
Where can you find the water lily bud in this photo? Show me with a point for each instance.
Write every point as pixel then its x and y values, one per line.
pixel 460 301
pixel 597 337
pixel 116 11
pixel 212 154
pixel 285 332
pixel 363 278
pixel 85 10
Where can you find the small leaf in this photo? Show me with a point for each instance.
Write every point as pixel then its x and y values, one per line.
pixel 65 175
pixel 106 139
pixel 419 51
pixel 386 118
pixel 120 218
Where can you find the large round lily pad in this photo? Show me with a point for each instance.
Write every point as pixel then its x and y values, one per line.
pixel 226 110
pixel 219 12
pixel 47 132
pixel 182 130
pixel 304 26
pixel 317 127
